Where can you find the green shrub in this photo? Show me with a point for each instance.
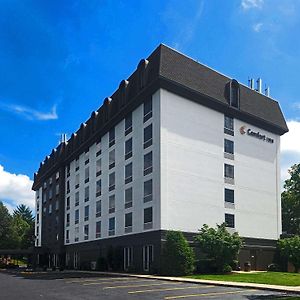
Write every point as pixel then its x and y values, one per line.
pixel 290 248
pixel 177 257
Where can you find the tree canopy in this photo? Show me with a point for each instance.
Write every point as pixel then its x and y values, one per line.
pixel 290 248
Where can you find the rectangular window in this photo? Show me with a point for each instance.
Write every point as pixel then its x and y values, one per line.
pixel 111 181
pixel 68 186
pixel 128 173
pixel 68 170
pixel 50 180
pixel 45 184
pixel 86 212
pixel 111 226
pixel 77 164
pixel 76 234
pixel 98 148
pixel 147 257
pixel 98 188
pixel 148 218
pixel 148 191
pixel 128 123
pixel 68 220
pixel 86 157
pixel 98 229
pixel 57 189
pixel 68 203
pixel 128 197
pixel 86 232
pixel 50 193
pixel 57 175
pixel 86 194
pixel 98 167
pixel 128 148
pixel 76 198
pixel 228 171
pixel 111 204
pixel 56 205
pixel 229 220
pixel 50 208
pixel 128 222
pixel 37 219
pixel 98 209
pixel 148 136
pixel 148 163
pixel 228 146
pixel 128 257
pixel 76 216
pixel 229 195
pixel 111 137
pixel 86 175
pixel 112 159
pixel 67 236
pixel 77 181
pixel 147 110
pixel 228 125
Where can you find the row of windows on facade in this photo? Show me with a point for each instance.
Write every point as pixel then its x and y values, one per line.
pixel 128 143
pixel 128 175
pixel 128 225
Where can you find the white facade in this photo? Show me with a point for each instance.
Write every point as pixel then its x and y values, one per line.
pixel 38 217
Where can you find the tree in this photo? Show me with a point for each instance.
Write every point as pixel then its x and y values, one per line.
pixel 219 245
pixel 177 256
pixel 25 213
pixel 19 229
pixel 290 199
pixel 5 227
pixel 290 248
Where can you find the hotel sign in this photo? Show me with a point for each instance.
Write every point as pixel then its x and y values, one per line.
pixel 256 134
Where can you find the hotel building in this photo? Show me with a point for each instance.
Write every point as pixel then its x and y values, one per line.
pixel 177 145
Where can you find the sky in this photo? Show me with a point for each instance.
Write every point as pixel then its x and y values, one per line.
pixel 60 59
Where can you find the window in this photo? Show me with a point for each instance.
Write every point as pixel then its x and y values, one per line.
pixel 76 216
pixel 68 170
pixel 98 167
pixel 147 257
pixel 57 175
pixel 111 226
pixel 37 206
pixel 128 173
pixel 229 195
pixel 147 110
pixel 56 205
pixel 57 189
pixel 228 125
pixel 234 94
pixel 128 197
pixel 86 232
pixel 111 181
pixel 68 186
pixel 50 180
pixel 86 194
pixel 111 204
pixel 67 236
pixel 68 203
pixel 86 157
pixel 148 136
pixel 228 146
pixel 148 218
pixel 68 220
pixel 229 171
pixel 50 193
pixel 128 123
pixel 45 184
pixel 148 191
pixel 229 220
pixel 111 137
pixel 86 175
pixel 86 212
pixel 127 257
pixel 98 188
pixel 77 181
pixel 148 163
pixel 50 208
pixel 128 148
pixel 128 222
pixel 112 158
pixel 98 209
pixel 98 229
pixel 56 220
pixel 76 198
pixel 37 218
pixel 76 234
pixel 77 164
pixel 98 148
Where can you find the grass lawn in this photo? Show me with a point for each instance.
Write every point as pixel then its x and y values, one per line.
pixel 276 278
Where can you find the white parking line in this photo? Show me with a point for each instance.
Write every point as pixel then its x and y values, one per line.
pixel 171 289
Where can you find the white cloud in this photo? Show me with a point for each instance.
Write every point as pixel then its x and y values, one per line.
pixel 248 4
pixel 29 113
pixel 15 189
pixel 290 148
pixel 257 27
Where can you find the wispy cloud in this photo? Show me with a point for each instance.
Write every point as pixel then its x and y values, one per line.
pixel 257 27
pixel 30 113
pixel 15 189
pixel 249 4
pixel 296 105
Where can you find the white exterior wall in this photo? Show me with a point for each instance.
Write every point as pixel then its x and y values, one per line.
pixel 38 226
pixel 192 172
pixel 138 179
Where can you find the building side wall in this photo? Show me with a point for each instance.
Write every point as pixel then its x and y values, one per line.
pixel 192 172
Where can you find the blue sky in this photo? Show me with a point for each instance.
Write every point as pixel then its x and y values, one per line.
pixel 60 59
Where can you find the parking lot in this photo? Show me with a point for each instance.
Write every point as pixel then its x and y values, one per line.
pixel 74 285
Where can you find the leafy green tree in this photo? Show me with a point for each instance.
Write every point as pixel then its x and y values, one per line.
pixel 25 213
pixel 290 248
pixel 19 229
pixel 290 199
pixel 219 245
pixel 5 227
pixel 177 256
